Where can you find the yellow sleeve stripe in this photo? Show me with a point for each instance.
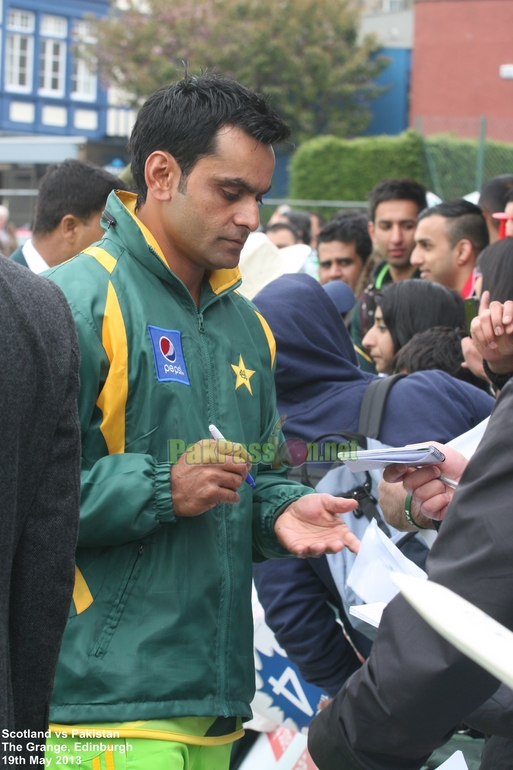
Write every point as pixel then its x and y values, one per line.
pixel 82 596
pixel 103 257
pixel 96 763
pixel 270 337
pixel 113 396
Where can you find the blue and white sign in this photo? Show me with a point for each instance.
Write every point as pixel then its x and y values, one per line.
pixel 282 698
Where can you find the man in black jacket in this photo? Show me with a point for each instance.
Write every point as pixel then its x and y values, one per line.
pixel 39 499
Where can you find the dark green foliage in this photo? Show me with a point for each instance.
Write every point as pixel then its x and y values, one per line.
pixel 329 168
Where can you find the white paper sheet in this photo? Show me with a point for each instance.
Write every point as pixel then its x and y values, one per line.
pixel 456 762
pixel 378 558
pixel 370 613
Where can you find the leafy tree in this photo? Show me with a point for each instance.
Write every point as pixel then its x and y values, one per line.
pixel 303 53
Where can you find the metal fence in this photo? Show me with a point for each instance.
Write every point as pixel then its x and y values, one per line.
pixel 462 153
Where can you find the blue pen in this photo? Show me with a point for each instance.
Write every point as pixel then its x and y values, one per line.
pixel 218 436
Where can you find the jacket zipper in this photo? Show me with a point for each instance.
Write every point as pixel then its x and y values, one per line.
pixel 224 616
pixel 227 576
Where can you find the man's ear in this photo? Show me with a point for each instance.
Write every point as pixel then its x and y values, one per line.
pixel 68 227
pixel 370 228
pixel 162 174
pixel 464 252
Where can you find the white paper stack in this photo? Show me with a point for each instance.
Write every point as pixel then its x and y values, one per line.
pixel 378 558
pixel 370 613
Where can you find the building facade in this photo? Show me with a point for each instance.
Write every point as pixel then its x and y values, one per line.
pixel 46 86
pixel 52 102
pixel 463 68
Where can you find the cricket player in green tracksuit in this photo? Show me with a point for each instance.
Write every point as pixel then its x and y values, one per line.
pixel 156 667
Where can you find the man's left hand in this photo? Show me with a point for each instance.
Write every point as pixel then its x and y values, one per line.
pixel 311 526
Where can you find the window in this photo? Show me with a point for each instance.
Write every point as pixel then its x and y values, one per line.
pixel 53 26
pixel 19 51
pixel 83 32
pixel 52 57
pixel 83 81
pixel 395 5
pixel 84 77
pixel 52 64
pixel 20 21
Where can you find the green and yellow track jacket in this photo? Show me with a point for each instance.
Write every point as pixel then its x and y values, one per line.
pixel 161 623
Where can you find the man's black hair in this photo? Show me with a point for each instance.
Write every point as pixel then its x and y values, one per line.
pixel 282 226
pixel 436 348
pixel 400 189
pixel 183 119
pixel 348 226
pixel 72 187
pixel 493 194
pixel 509 198
pixel 465 220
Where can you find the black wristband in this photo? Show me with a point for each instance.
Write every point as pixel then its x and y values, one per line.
pixel 498 380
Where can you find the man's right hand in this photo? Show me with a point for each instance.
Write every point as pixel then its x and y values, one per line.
pixel 208 474
pixel 430 494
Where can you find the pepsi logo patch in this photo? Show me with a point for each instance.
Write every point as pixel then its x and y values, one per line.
pixel 167 349
pixel 168 353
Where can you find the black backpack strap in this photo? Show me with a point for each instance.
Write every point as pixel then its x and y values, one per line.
pixel 372 408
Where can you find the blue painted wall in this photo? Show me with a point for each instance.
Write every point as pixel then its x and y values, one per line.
pixel 390 110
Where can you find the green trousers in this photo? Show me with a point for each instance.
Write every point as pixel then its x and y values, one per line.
pixel 135 754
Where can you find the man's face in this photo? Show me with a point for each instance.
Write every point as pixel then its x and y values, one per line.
pixel 433 254
pixel 509 222
pixel 282 238
pixel 338 261
pixel 210 214
pixel 393 229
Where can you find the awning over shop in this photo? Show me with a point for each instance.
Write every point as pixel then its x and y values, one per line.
pixel 40 149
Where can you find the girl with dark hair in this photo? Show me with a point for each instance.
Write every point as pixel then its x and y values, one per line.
pixel 405 308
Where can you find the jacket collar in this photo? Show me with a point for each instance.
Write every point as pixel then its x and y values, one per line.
pixel 141 243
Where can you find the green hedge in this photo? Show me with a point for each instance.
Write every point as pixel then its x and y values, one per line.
pixel 455 161
pixel 329 168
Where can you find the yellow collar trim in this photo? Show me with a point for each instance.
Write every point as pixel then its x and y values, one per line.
pixel 129 201
pixel 219 280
